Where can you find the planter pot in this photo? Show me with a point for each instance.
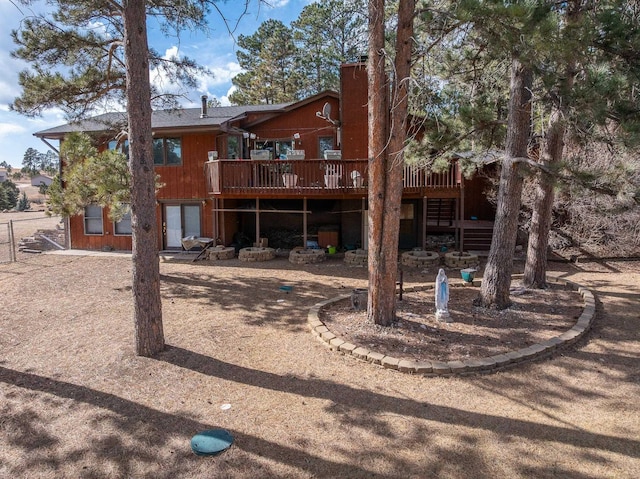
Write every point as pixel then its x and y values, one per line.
pixel 359 298
pixel 331 181
pixel 290 180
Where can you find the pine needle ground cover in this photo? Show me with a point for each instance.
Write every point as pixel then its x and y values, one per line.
pixel 76 402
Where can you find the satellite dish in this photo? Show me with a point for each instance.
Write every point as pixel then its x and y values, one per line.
pixel 326 111
pixel 325 114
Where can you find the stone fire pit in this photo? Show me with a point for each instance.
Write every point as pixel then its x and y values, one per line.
pixel 420 259
pixel 357 257
pixel 221 252
pixel 307 256
pixel 254 254
pixel 460 260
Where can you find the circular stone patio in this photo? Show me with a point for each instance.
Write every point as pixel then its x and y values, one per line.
pixel 461 367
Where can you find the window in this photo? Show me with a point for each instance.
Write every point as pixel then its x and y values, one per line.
pixel 124 147
pixel 233 147
pixel 123 227
pixel 325 143
pixel 167 151
pixel 93 220
pixel 278 148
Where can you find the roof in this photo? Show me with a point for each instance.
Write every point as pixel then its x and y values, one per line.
pixel 163 119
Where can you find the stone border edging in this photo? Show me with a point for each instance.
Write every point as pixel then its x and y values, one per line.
pixel 462 367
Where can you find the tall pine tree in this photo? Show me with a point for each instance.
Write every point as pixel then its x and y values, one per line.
pixel 76 67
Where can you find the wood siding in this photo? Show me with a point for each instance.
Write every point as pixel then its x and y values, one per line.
pixel 353 100
pixel 302 120
pixel 183 184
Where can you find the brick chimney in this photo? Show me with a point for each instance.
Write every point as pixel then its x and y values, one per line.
pixel 353 106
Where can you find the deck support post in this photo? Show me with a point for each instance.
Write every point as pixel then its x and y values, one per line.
pixel 461 221
pixel 258 220
pixel 424 223
pixel 304 222
pixel 364 221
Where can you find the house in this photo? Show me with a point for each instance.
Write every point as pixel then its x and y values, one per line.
pixel 293 173
pixel 3 175
pixel 41 179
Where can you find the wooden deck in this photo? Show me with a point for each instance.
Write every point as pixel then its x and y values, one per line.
pixel 316 179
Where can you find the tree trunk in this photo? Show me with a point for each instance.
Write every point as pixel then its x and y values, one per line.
pixel 535 269
pixel 380 306
pixel 146 266
pixel 496 282
pixel 386 158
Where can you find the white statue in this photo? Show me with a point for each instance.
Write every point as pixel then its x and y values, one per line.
pixel 442 297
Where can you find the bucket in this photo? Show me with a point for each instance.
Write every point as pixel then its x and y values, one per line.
pixel 331 249
pixel 468 274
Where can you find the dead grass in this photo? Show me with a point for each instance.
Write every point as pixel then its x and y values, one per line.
pixel 76 402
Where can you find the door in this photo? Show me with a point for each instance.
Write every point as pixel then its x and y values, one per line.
pixel 180 221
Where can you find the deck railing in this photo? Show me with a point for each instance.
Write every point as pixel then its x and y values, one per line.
pixel 310 177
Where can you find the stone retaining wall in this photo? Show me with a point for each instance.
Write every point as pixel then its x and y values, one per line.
pixel 461 367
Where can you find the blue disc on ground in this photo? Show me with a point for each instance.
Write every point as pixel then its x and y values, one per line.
pixel 211 441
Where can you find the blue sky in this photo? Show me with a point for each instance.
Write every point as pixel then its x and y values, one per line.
pixel 215 51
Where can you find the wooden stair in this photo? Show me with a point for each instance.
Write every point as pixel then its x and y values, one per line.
pixel 441 212
pixel 477 239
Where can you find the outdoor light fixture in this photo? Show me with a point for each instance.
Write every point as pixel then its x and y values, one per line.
pixel 213 155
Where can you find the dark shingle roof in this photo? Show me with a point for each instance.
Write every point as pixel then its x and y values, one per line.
pixel 162 119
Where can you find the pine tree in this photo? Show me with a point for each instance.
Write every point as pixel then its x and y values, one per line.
pixel 328 33
pixel 387 138
pixel 24 204
pixel 269 60
pixel 9 194
pixel 31 162
pixel 74 66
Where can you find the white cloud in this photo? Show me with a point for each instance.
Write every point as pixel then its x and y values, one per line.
pixel 224 100
pixel 171 53
pixel 221 75
pixel 279 3
pixel 7 129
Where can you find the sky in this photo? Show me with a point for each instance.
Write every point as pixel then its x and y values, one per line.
pixel 216 51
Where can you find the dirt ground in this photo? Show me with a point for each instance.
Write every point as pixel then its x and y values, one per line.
pixel 76 402
pixel 470 333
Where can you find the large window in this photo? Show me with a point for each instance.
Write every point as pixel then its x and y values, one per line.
pixel 93 220
pixel 167 151
pixel 123 227
pixel 278 148
pixel 233 147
